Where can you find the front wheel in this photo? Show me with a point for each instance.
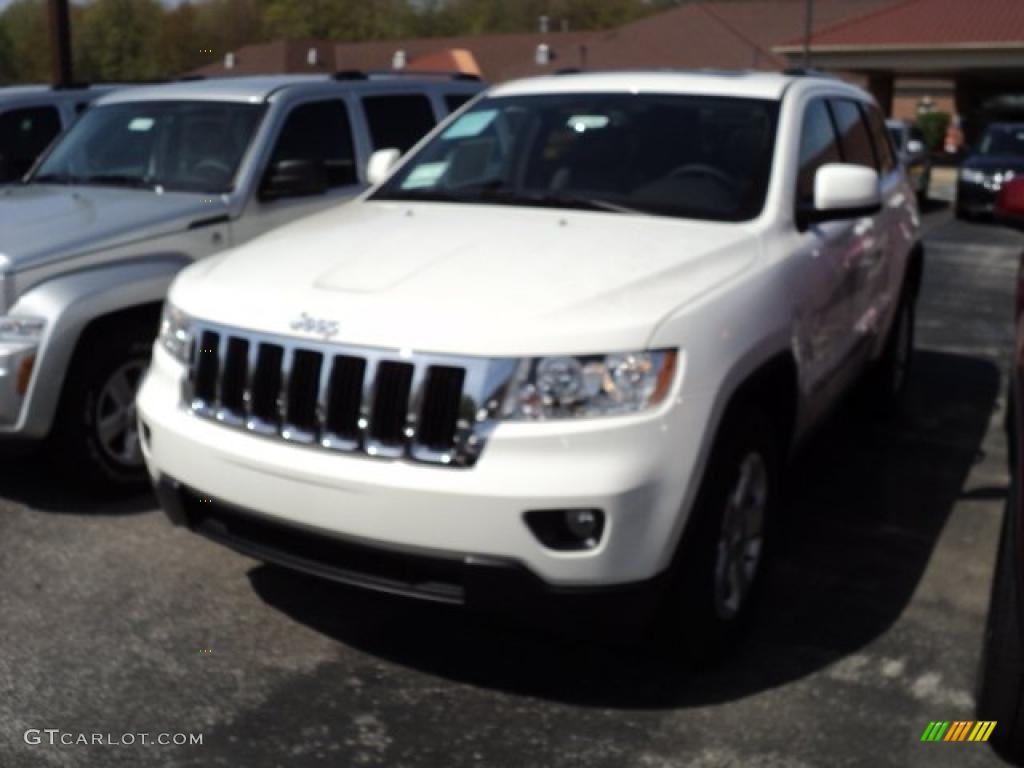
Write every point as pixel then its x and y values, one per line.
pixel 96 436
pixel 720 563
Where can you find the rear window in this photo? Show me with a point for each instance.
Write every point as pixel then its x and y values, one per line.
pixel 455 101
pixel 398 122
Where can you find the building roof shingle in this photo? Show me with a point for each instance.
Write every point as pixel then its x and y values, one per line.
pixel 931 23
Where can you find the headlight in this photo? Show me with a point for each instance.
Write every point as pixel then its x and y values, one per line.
pixel 176 332
pixel 972 176
pixel 594 385
pixel 21 329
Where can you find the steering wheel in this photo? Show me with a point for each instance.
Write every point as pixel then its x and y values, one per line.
pixel 702 169
pixel 212 169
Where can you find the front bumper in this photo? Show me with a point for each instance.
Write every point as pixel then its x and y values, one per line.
pixel 490 584
pixel 976 199
pixel 636 469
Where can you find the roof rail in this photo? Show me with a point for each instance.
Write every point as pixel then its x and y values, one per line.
pixel 71 86
pixel 568 71
pixel 350 74
pixel 190 78
pixel 808 72
pixel 358 74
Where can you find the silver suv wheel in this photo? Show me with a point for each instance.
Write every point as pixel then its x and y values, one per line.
pixel 116 425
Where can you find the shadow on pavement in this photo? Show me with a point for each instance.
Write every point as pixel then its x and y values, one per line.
pixel 29 477
pixel 867 505
pixel 931 205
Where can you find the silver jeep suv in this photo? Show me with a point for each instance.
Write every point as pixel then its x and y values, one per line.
pixel 148 180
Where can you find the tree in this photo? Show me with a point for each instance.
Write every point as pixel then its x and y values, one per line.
pixel 28 35
pixel 122 38
pixel 8 73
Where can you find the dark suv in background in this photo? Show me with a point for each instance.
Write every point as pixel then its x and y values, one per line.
pixel 998 157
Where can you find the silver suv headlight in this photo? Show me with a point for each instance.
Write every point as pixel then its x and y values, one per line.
pixel 566 387
pixel 175 332
pixel 21 329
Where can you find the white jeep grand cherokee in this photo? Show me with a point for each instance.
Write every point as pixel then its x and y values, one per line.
pixel 563 351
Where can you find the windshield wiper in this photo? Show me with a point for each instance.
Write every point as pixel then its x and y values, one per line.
pixel 554 200
pixel 54 178
pixel 504 196
pixel 117 180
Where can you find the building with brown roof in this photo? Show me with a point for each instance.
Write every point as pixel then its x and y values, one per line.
pixel 727 35
pixel 974 49
pixel 956 55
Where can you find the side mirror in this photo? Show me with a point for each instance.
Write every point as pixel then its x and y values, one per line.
pixel 1010 204
pixel 842 191
pixel 293 178
pixel 915 147
pixel 382 162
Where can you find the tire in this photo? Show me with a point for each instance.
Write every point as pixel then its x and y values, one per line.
pixel 1001 678
pixel 95 440
pixel 702 610
pixel 887 381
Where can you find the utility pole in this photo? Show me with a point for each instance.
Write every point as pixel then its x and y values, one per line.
pixel 60 42
pixel 808 25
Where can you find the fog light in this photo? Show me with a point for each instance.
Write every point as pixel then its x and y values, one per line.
pixel 582 523
pixel 567 529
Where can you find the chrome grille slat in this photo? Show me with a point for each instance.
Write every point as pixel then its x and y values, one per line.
pixel 431 409
pixel 345 402
pixel 232 374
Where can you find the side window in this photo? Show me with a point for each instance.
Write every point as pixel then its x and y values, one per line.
pixel 854 139
pixel 880 139
pixel 454 101
pixel 817 148
pixel 24 134
pixel 398 122
pixel 321 132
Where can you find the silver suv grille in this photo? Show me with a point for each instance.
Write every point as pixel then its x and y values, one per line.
pixel 380 403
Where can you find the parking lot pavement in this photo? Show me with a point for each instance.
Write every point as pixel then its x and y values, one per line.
pixel 115 623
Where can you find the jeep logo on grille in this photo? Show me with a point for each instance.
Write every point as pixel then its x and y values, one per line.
pixel 326 329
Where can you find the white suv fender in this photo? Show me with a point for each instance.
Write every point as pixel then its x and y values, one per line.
pixel 741 347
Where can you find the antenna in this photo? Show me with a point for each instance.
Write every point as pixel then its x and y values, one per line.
pixel 808 25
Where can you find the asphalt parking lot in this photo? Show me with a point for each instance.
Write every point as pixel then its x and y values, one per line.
pixel 115 623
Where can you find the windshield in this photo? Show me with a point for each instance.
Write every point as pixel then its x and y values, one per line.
pixel 692 156
pixel 1003 140
pixel 193 146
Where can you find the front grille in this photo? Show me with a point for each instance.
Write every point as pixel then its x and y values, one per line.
pixel 423 408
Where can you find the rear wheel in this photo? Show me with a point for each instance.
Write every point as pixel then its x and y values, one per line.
pixel 96 438
pixel 720 563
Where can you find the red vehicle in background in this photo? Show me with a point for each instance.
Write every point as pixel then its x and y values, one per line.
pixel 1001 696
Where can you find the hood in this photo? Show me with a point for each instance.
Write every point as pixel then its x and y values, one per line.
pixel 43 222
pixel 471 280
pixel 993 163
